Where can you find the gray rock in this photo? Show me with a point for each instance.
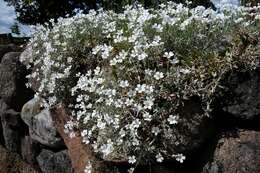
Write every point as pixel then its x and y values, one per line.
pixel 12 81
pixel 244 101
pixel 162 169
pixel 29 150
pixel 40 123
pixel 10 121
pixel 51 162
pixel 3 107
pixel 213 167
pixel 7 48
pixel 30 109
pixel 1 134
pixel 192 130
pixel 236 153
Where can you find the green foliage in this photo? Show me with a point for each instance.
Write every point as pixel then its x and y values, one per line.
pixel 15 29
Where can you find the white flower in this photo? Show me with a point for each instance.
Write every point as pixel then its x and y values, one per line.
pixel 173 119
pixel 122 133
pixel 174 61
pixel 124 84
pixel 185 71
pixel 135 142
pixel 101 125
pixel 84 133
pixel 140 88
pixel 131 159
pixel 136 123
pixel 159 157
pixel 88 168
pixel 158 75
pixel 158 27
pixel 113 62
pixel 72 134
pixel 108 148
pixel 147 116
pixel 155 130
pixel 131 170
pixel 168 54
pixel 142 56
pixel 148 72
pixel 179 157
pixel 85 140
pixel 148 103
pixel 129 102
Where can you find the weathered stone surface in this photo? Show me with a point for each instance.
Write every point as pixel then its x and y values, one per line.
pixel 244 101
pixel 51 162
pixel 12 81
pixel 80 154
pixel 1 134
pixel 161 169
pixel 192 130
pixel 239 153
pixel 29 150
pixel 11 123
pixel 5 48
pixel 41 124
pixel 11 131
pixel 12 163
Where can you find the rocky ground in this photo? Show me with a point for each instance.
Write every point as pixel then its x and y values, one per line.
pixel 32 139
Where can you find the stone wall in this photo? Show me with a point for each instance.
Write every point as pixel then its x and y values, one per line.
pixel 22 150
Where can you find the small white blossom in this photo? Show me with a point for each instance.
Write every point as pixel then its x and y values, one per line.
pixel 159 157
pixel 185 71
pixel 88 168
pixel 108 148
pixel 179 157
pixel 131 159
pixel 156 130
pixel 168 54
pixel 131 170
pixel 174 61
pixel 157 27
pixel 124 84
pixel 158 75
pixel 147 116
pixel 173 119
pixel 148 103
pixel 142 56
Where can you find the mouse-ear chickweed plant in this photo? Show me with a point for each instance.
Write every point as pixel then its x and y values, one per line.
pixel 124 76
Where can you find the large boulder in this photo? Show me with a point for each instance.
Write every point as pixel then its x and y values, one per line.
pixel 12 81
pixel 243 99
pixel 40 123
pixel 50 162
pixel 193 128
pixel 12 163
pixel 236 153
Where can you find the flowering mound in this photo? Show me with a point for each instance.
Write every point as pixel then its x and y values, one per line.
pixel 124 76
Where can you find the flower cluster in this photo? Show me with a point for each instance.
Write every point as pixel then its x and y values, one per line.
pixel 123 76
